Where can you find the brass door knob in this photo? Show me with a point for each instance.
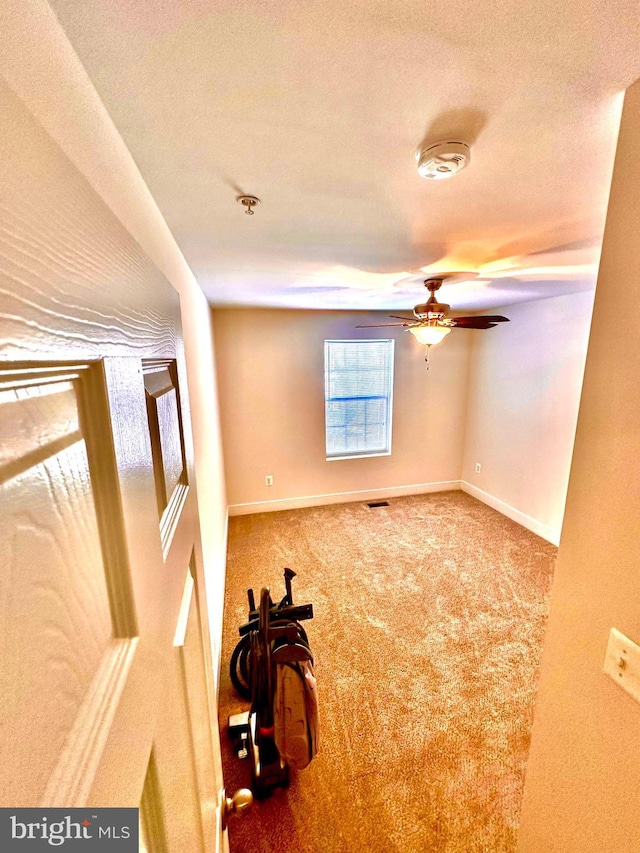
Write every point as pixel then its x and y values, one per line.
pixel 237 804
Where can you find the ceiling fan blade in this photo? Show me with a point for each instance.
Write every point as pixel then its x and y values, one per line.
pixel 380 325
pixel 472 323
pixel 408 319
pixel 490 318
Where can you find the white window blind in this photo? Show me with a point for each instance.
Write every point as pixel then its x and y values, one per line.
pixel 358 379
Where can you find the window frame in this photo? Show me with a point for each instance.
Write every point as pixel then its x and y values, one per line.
pixel 368 452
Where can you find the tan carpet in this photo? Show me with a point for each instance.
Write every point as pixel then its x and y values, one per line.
pixel 429 622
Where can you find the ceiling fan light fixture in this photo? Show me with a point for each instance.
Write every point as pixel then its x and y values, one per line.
pixel 442 159
pixel 430 335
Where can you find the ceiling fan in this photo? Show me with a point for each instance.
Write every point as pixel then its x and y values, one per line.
pixel 430 324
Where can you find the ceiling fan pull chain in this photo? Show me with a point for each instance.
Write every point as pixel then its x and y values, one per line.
pixel 426 355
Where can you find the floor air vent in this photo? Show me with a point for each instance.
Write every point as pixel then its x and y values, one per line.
pixel 375 504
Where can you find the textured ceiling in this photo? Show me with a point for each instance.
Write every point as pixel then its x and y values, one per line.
pixel 318 108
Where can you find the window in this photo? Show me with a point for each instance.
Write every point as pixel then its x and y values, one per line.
pixel 358 381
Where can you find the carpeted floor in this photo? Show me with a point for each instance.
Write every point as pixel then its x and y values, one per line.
pixel 429 620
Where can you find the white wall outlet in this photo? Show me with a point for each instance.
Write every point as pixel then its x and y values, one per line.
pixel 268 480
pixel 622 663
pixel 478 467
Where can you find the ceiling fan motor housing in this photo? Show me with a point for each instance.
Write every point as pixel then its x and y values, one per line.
pixel 430 310
pixel 442 159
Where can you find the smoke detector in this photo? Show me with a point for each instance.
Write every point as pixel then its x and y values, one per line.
pixel 442 159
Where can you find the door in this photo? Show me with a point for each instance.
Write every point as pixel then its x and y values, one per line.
pixel 106 675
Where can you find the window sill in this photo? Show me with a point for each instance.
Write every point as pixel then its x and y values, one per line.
pixel 358 456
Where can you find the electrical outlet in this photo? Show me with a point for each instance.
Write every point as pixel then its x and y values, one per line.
pixel 622 663
pixel 478 467
pixel 268 480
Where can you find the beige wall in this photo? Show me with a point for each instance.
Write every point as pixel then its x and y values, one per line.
pixel 271 368
pixel 583 777
pixel 524 391
pixel 39 64
pixel 514 410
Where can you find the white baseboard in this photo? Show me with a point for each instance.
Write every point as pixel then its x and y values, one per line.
pixel 342 497
pixel 551 534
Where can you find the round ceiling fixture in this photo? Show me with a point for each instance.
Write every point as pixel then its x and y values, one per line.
pixel 248 202
pixel 442 159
